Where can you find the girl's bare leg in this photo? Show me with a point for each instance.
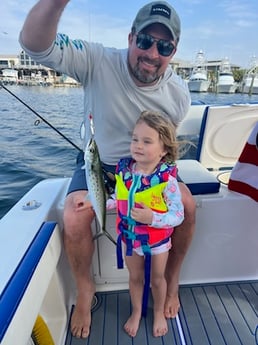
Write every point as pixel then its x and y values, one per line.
pixel 159 290
pixel 135 265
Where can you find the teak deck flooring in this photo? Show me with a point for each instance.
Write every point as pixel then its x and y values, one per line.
pixel 210 314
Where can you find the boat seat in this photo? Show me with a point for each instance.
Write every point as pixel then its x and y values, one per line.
pixel 197 178
pixel 18 283
pixel 223 134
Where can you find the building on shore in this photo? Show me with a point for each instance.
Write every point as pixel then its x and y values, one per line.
pixel 29 72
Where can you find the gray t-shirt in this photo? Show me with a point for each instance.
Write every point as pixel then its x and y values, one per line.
pixel 111 95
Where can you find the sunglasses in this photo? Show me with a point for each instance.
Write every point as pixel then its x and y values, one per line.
pixel 145 41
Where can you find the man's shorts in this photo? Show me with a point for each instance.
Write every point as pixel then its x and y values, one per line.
pixel 79 179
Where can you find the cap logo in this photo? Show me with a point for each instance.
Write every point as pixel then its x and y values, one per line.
pixel 161 10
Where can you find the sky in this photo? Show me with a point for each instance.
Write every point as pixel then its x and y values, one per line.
pixel 222 28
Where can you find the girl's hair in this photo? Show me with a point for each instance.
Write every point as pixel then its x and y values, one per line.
pixel 166 130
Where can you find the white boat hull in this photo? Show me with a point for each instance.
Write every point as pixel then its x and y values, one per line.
pixel 226 84
pixel 198 81
pixel 224 88
pixel 224 247
pixel 250 80
pixel 198 85
pixel 250 85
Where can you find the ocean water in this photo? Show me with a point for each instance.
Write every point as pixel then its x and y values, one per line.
pixel 32 151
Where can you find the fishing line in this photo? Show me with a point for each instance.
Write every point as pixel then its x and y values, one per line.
pixel 41 117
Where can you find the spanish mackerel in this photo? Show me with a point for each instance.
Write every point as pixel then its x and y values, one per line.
pixel 96 185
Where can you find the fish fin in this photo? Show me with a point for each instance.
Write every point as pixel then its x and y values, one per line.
pixel 104 233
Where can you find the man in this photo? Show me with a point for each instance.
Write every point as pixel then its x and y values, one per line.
pixel 118 85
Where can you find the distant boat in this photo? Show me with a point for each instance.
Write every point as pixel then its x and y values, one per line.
pixel 198 81
pixel 226 82
pixel 250 80
pixel 9 76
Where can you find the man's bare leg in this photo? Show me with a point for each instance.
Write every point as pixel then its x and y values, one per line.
pixel 79 248
pixel 181 240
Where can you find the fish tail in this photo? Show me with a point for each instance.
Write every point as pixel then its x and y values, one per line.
pixel 104 233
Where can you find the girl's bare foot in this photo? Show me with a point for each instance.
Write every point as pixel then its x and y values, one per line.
pixel 160 325
pixel 172 306
pixel 81 317
pixel 132 324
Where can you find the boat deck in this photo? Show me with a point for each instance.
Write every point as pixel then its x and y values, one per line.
pixel 214 314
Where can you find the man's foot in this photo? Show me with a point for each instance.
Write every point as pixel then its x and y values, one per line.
pixel 81 317
pixel 132 324
pixel 160 325
pixel 172 306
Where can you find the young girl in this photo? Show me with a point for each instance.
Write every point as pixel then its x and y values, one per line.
pixel 149 206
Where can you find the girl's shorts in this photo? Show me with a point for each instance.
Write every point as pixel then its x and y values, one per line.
pixel 165 247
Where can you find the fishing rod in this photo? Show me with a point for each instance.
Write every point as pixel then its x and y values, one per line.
pixel 38 115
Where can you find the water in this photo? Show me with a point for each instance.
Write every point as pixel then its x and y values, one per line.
pixel 29 153
pixel 216 98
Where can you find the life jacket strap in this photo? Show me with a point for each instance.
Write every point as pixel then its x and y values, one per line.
pixel 119 254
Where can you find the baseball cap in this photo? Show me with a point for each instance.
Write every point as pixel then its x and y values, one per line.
pixel 158 12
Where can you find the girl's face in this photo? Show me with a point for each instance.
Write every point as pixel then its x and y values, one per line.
pixel 146 147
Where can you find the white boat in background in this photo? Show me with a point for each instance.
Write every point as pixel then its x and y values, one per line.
pixel 250 80
pixel 226 82
pixel 9 76
pixel 198 80
pixel 219 276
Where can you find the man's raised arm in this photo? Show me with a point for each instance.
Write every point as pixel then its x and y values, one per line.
pixel 40 27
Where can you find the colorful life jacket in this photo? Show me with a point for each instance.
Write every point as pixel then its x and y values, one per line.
pixel 131 190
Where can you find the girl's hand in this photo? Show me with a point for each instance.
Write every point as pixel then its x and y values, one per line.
pixel 143 215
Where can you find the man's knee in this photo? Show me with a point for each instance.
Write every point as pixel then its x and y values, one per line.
pixel 77 213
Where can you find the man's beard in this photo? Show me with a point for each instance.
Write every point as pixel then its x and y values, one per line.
pixel 144 76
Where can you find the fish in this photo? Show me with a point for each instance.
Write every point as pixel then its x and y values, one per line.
pixel 96 186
